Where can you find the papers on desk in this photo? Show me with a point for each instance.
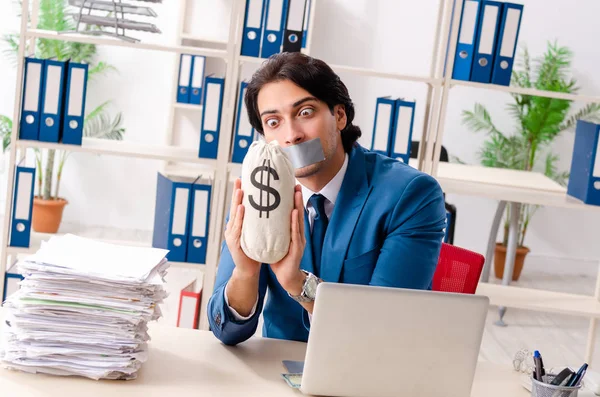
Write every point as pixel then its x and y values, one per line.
pixel 83 309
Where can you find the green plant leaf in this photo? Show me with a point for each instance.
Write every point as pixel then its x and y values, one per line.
pixel 99 69
pixel 99 109
pixel 6 126
pixel 502 152
pixel 101 126
pixel 590 112
pixel 479 120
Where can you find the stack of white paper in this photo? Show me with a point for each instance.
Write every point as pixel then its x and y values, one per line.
pixel 83 309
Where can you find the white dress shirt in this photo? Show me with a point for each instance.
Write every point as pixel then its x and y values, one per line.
pixel 330 192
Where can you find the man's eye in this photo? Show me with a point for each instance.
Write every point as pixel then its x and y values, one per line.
pixel 306 112
pixel 271 123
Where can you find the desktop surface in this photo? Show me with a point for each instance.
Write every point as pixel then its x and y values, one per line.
pixel 191 362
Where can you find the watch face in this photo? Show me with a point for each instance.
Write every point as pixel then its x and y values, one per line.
pixel 311 287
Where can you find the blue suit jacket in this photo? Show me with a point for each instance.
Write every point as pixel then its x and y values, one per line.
pixel 386 229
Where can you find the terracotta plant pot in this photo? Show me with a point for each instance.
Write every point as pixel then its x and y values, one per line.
pixel 47 214
pixel 500 258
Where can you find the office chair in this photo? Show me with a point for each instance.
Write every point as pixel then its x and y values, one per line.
pixel 458 270
pixel 450 208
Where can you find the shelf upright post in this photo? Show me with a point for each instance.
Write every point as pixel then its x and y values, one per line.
pixel 13 142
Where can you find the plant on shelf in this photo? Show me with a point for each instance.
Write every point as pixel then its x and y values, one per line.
pixel 539 121
pixel 48 204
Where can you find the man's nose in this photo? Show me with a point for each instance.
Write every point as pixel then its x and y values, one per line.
pixel 293 135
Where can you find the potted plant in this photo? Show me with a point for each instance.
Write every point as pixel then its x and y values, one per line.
pixel 48 205
pixel 539 121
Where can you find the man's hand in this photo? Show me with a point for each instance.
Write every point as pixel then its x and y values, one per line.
pixel 287 269
pixel 242 287
pixel 233 233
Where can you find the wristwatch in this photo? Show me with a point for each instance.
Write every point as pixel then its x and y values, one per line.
pixel 309 289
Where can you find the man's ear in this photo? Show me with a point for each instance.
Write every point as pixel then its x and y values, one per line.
pixel 339 111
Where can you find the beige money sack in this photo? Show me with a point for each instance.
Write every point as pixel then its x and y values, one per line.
pixel 268 184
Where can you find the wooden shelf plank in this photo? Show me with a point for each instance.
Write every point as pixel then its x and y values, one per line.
pixel 506 185
pixel 540 300
pixel 528 91
pixel 81 38
pixel 385 75
pixel 127 149
pixel 187 106
pixel 363 72
pixel 191 37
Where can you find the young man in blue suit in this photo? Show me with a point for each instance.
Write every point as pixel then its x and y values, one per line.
pixel 359 217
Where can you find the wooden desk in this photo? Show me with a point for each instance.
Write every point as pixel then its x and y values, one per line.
pixel 185 362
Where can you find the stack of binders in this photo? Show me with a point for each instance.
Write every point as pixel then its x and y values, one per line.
pixel 274 26
pixel 181 217
pixel 191 76
pixel 584 177
pixel 244 134
pixel 53 106
pixel 393 126
pixel 487 41
pixel 211 117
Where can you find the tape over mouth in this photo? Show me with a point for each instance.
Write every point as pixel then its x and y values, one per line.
pixel 305 153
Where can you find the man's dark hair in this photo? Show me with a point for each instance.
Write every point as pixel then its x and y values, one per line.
pixel 311 74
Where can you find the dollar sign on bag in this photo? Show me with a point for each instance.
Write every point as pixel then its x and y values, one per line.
pixel 268 206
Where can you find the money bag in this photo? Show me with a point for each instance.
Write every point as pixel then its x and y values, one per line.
pixel 268 184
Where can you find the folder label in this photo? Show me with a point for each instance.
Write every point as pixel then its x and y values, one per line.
pixel 403 126
pixel 11 284
pixel 23 198
pixel 213 98
pixel 184 76
pixel 76 94
pixel 488 33
pixel 245 128
pixel 254 17
pixel 274 18
pixel 467 31
pixel 198 74
pixel 52 95
pixel 510 35
pixel 180 210
pixel 32 90
pixel 296 17
pixel 199 220
pixel 384 113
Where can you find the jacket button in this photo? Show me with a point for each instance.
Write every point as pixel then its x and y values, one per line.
pixel 218 319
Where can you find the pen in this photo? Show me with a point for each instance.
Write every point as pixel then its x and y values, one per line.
pixel 542 369
pixel 538 366
pixel 575 379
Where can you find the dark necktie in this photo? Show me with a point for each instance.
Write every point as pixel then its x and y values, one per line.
pixel 318 229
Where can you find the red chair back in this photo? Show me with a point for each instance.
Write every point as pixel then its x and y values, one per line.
pixel 458 270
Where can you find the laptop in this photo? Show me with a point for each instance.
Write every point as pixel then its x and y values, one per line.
pixel 382 341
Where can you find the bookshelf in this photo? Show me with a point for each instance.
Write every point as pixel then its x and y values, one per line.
pixel 508 190
pixel 502 185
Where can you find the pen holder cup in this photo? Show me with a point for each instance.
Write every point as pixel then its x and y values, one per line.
pixel 545 389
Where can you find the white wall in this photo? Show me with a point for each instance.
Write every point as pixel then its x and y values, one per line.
pixel 390 35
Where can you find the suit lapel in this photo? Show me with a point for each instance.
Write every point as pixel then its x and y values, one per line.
pixel 349 204
pixel 307 259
